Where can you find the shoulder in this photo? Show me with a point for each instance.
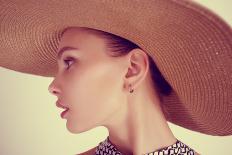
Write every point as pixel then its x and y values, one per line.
pixel 89 152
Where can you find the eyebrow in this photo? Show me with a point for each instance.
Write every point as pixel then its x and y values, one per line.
pixel 63 49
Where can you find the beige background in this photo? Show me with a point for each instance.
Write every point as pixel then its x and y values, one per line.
pixel 31 123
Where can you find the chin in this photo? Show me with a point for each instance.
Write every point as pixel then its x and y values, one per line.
pixel 76 128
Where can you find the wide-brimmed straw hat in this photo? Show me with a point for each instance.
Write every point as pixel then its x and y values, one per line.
pixel 191 46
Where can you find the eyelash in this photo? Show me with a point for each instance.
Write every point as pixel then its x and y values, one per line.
pixel 66 62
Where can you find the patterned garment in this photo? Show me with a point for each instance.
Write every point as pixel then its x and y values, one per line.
pixel 178 148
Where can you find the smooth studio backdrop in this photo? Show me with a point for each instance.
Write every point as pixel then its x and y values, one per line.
pixel 30 123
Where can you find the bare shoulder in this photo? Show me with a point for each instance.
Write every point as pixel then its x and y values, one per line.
pixel 89 152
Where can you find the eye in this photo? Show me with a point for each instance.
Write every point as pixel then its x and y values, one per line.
pixel 66 61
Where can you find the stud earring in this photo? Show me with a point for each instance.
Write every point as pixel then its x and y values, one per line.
pixel 131 90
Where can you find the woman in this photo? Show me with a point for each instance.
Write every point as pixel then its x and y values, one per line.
pixel 162 62
pixel 90 81
pixel 91 74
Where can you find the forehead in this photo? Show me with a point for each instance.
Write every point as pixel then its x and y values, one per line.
pixel 69 37
pixel 80 40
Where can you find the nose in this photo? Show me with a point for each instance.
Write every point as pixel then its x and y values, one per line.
pixel 52 88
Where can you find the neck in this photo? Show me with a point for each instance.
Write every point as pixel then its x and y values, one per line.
pixel 139 126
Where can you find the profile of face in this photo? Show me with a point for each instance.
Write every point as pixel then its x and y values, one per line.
pixel 88 81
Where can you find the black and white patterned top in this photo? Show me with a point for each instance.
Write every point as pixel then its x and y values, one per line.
pixel 178 148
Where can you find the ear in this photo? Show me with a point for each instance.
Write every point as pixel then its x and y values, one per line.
pixel 137 66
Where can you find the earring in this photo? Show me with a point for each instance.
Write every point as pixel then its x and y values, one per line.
pixel 131 90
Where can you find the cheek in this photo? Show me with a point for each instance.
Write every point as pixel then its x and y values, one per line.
pixel 95 94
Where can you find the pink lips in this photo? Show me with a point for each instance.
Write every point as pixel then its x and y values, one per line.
pixel 63 114
pixel 58 104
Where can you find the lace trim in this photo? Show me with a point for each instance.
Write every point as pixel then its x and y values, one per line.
pixel 107 148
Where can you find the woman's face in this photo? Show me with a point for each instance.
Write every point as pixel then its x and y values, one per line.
pixel 90 84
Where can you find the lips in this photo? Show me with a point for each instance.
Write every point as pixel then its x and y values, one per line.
pixel 63 114
pixel 60 105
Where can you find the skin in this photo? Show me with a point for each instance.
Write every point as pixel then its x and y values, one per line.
pixel 95 88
